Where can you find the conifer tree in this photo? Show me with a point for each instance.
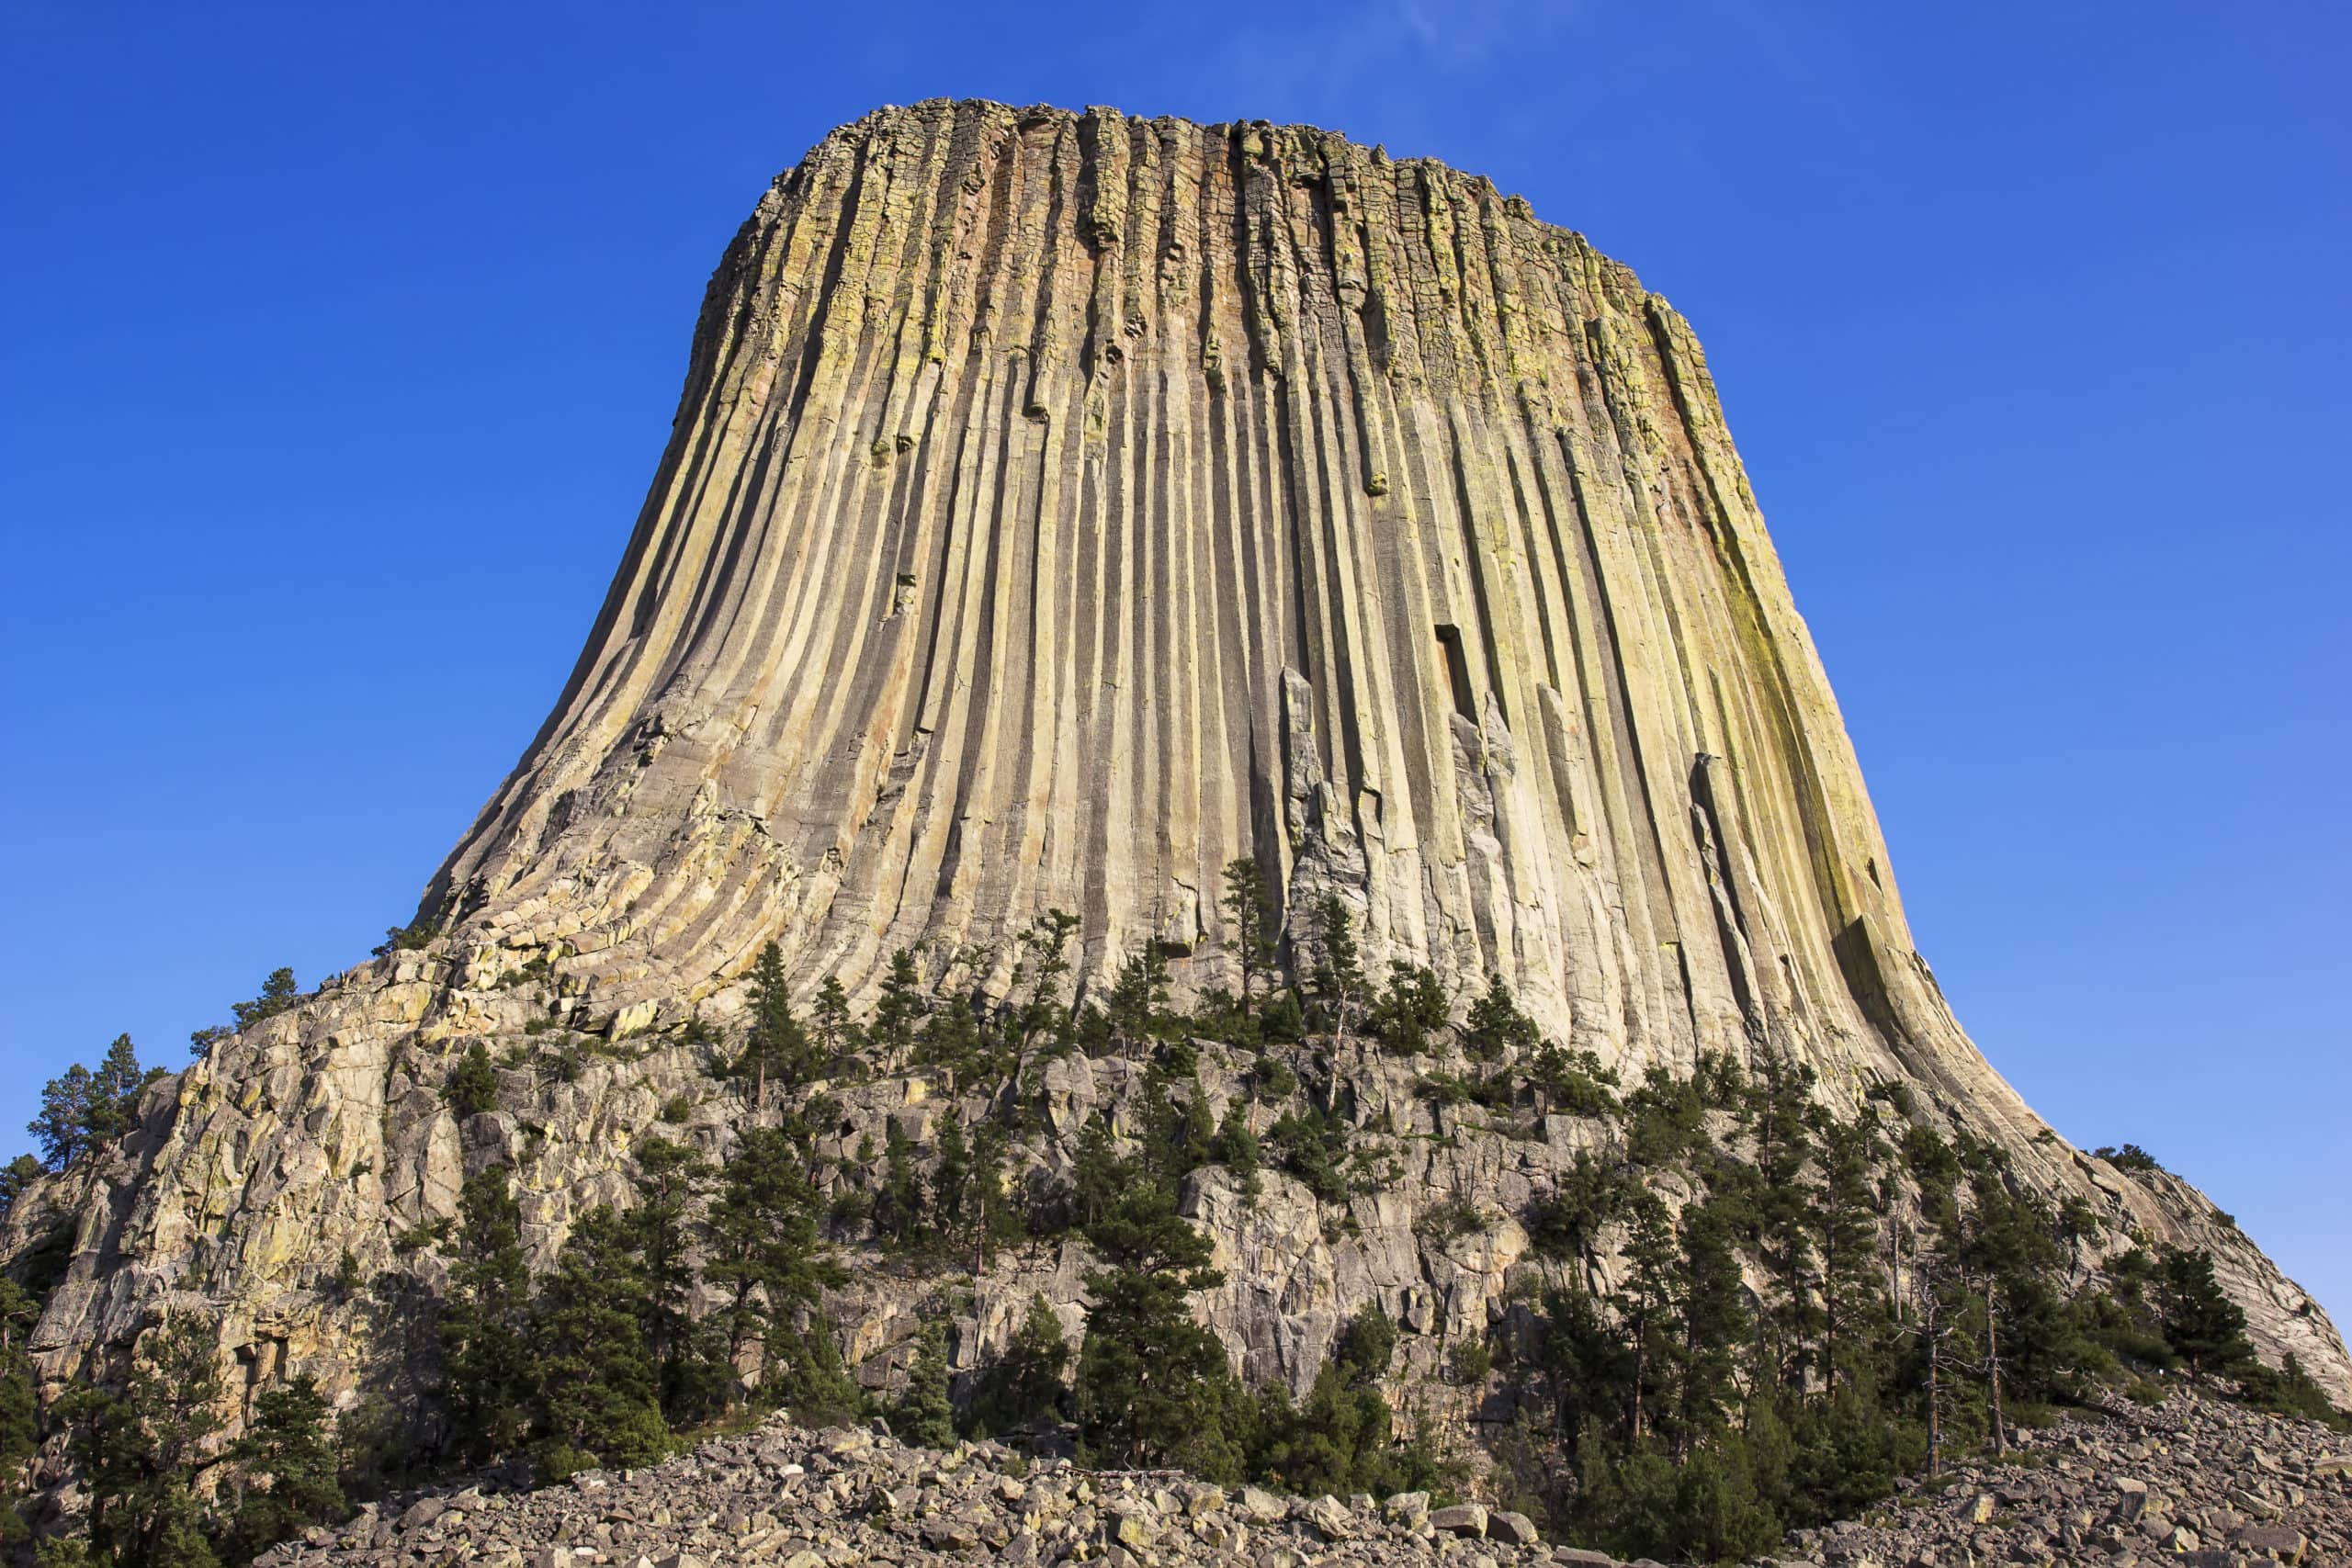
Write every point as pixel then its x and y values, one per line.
pixel 486 1323
pixel 836 1030
pixel 1495 1025
pixel 598 1385
pixel 1246 904
pixel 764 1257
pixel 897 1207
pixel 1339 985
pixel 138 1450
pixel 778 1047
pixel 63 1126
pixel 923 1415
pixel 1153 1385
pixel 16 1176
pixel 893 1029
pixel 473 1084
pixel 1024 1389
pixel 286 1463
pixel 114 1092
pixel 278 993
pixel 661 1230
pixel 2203 1326
pixel 1139 994
pixel 1046 945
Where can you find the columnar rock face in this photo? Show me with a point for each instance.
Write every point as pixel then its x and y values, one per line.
pixel 1061 506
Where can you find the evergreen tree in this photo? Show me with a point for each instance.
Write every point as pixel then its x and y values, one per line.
pixel 951 1173
pixel 63 1126
pixel 1247 905
pixel 19 1405
pixel 286 1464
pixel 893 1029
pixel 661 1231
pixel 1024 1389
pixel 897 1207
pixel 778 1047
pixel 1098 1175
pixel 1341 1440
pixel 1414 1006
pixel 836 1031
pixel 278 993
pixel 1711 1319
pixel 1496 1025
pixel 2203 1326
pixel 1153 1385
pixel 1139 994
pixel 1340 989
pixel 923 1415
pixel 472 1087
pixel 1845 1226
pixel 598 1385
pixel 486 1321
pixel 764 1257
pixel 114 1092
pixel 16 1176
pixel 137 1451
pixel 1044 948
pixel 989 1215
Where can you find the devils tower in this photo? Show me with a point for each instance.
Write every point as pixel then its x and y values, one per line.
pixel 1061 507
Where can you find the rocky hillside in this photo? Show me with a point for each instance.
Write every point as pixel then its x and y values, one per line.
pixel 1099 565
pixel 2189 1481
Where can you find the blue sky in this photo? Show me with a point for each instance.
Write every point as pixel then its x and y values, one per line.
pixel 340 343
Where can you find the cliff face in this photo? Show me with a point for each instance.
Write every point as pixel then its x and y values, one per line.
pixel 1061 506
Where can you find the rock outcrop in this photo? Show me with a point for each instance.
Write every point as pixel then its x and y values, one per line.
pixel 1061 506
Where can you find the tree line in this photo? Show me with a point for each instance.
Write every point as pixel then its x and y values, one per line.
pixel 1915 1302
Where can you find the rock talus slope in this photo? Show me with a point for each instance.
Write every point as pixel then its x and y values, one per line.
pixel 1060 506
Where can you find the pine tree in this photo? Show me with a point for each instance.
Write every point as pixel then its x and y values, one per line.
pixel 485 1323
pixel 1153 1385
pixel 1247 905
pixel 1339 985
pixel 778 1047
pixel 1024 1389
pixel 764 1255
pixel 598 1385
pixel 137 1451
pixel 286 1464
pixel 661 1231
pixel 1711 1319
pixel 836 1031
pixel 278 993
pixel 472 1087
pixel 951 1173
pixel 2200 1322
pixel 1644 1303
pixel 893 1029
pixel 63 1127
pixel 114 1092
pixel 1414 1006
pixel 1047 945
pixel 897 1207
pixel 1845 1226
pixel 990 1147
pixel 16 1178
pixel 1139 994
pixel 1496 1025
pixel 923 1415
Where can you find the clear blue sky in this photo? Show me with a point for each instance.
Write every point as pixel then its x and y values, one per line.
pixel 340 342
